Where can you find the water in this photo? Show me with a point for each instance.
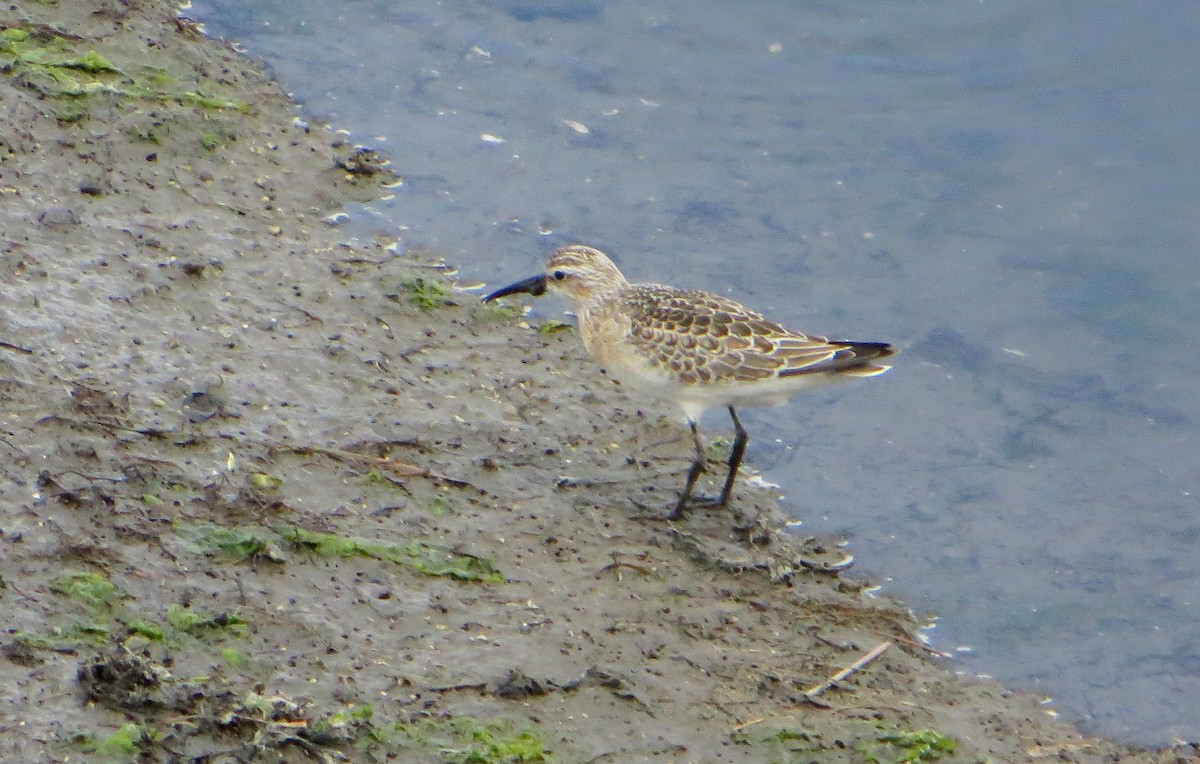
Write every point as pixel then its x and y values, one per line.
pixel 1009 191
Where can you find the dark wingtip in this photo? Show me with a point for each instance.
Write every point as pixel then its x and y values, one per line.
pixel 868 351
pixel 855 359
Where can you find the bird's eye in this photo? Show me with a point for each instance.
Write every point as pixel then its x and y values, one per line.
pixel 559 275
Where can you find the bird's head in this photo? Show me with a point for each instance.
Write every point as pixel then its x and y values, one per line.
pixel 583 274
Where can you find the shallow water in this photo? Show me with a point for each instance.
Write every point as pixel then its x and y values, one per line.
pixel 1007 191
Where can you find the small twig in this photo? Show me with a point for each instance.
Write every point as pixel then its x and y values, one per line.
pixel 458 687
pixel 400 469
pixel 813 692
pixel 223 205
pixel 97 478
pixel 99 424
pixel 310 316
pixel 923 646
pixel 749 723
pixel 616 565
pixel 18 348
pixel 368 261
pixel 408 353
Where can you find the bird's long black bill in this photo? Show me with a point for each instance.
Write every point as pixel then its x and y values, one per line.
pixel 534 285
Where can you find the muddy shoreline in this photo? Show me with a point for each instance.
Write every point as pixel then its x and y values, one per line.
pixel 270 494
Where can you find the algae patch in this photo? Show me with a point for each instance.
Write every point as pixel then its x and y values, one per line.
pixel 428 559
pixel 254 543
pixel 127 742
pixel 427 294
pixel 92 589
pixel 234 544
pixel 908 747
pixel 466 740
pixel 58 66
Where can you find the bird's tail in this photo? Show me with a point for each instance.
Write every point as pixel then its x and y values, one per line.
pixel 861 359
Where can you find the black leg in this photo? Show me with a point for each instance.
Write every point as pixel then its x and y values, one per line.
pixel 740 439
pixel 693 474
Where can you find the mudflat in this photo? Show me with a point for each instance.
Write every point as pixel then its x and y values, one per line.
pixel 272 494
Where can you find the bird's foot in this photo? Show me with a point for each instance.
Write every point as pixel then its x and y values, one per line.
pixel 695 501
pixel 755 531
pixel 648 512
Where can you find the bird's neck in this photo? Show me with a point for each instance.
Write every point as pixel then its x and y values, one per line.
pixel 589 298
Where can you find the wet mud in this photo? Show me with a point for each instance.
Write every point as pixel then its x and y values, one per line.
pixel 272 494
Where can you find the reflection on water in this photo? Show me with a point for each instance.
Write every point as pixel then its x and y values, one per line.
pixel 1007 191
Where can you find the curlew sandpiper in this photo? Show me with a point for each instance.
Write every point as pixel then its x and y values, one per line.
pixel 695 349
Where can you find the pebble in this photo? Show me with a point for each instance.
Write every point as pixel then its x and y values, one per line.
pixel 58 216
